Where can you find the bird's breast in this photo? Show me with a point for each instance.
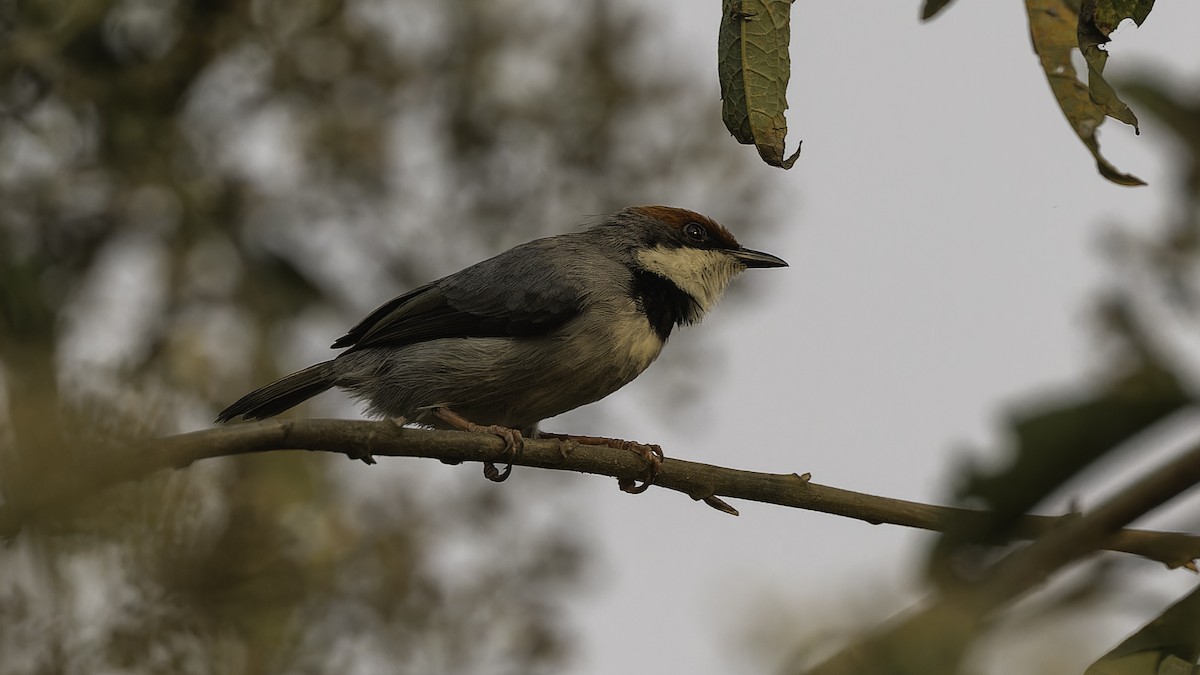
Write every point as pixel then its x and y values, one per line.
pixel 633 341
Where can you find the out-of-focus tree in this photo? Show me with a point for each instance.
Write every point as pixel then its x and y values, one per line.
pixel 195 196
pixel 1145 371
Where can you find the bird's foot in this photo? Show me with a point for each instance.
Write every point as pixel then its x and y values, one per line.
pixel 514 442
pixel 651 453
pixel 653 456
pixel 566 446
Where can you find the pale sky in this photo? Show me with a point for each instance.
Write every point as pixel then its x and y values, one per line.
pixel 942 227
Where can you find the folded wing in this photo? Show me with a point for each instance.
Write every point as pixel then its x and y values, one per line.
pixel 506 296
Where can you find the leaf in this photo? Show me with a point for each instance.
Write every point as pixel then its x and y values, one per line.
pixel 1097 20
pixel 1108 14
pixel 933 7
pixel 753 67
pixel 1054 27
pixel 1166 645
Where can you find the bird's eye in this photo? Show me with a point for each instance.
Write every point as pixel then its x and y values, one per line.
pixel 695 232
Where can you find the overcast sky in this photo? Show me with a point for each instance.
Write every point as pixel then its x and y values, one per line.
pixel 941 226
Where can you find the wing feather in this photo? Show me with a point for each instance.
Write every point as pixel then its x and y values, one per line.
pixel 498 297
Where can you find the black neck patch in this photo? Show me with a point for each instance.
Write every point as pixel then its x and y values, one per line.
pixel 665 304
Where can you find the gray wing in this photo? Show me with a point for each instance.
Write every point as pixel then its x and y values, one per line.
pixel 515 294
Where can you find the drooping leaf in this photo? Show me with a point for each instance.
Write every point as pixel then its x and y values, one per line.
pixel 1097 20
pixel 1054 27
pixel 933 7
pixel 1169 644
pixel 754 69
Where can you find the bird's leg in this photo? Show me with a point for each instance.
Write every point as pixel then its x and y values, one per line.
pixel 652 454
pixel 514 443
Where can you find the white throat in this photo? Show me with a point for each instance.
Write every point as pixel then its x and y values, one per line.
pixel 702 274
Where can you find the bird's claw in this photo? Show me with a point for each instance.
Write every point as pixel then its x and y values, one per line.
pixel 495 475
pixel 653 455
pixel 514 442
pixel 514 445
pixel 650 452
pixel 566 447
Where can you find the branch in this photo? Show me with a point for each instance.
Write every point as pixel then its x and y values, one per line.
pixel 360 439
pixel 934 636
pixel 1024 569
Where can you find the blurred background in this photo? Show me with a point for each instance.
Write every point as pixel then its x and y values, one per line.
pixel 200 196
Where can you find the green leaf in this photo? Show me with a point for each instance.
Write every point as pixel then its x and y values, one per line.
pixel 1055 28
pixel 754 69
pixel 1167 645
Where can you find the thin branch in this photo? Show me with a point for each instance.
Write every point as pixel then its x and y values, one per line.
pixel 1023 569
pixel 933 636
pixel 361 439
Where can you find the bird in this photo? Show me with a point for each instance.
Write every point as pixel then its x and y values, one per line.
pixel 540 329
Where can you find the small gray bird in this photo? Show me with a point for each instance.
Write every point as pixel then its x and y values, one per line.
pixel 531 333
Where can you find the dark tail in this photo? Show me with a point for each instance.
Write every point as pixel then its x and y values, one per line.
pixel 281 394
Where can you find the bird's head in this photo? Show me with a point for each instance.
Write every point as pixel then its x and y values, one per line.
pixel 691 251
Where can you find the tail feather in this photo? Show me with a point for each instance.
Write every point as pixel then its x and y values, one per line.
pixel 281 394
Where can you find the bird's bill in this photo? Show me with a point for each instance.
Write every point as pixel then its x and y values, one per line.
pixel 751 258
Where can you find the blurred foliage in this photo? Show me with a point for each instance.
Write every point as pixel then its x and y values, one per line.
pixel 199 195
pixel 1061 435
pixel 1171 256
pixel 1145 372
pixel 1038 638
pixel 1169 644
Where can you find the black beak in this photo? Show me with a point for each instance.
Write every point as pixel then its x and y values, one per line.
pixel 758 258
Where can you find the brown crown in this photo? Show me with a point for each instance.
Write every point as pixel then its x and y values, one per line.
pixel 677 218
